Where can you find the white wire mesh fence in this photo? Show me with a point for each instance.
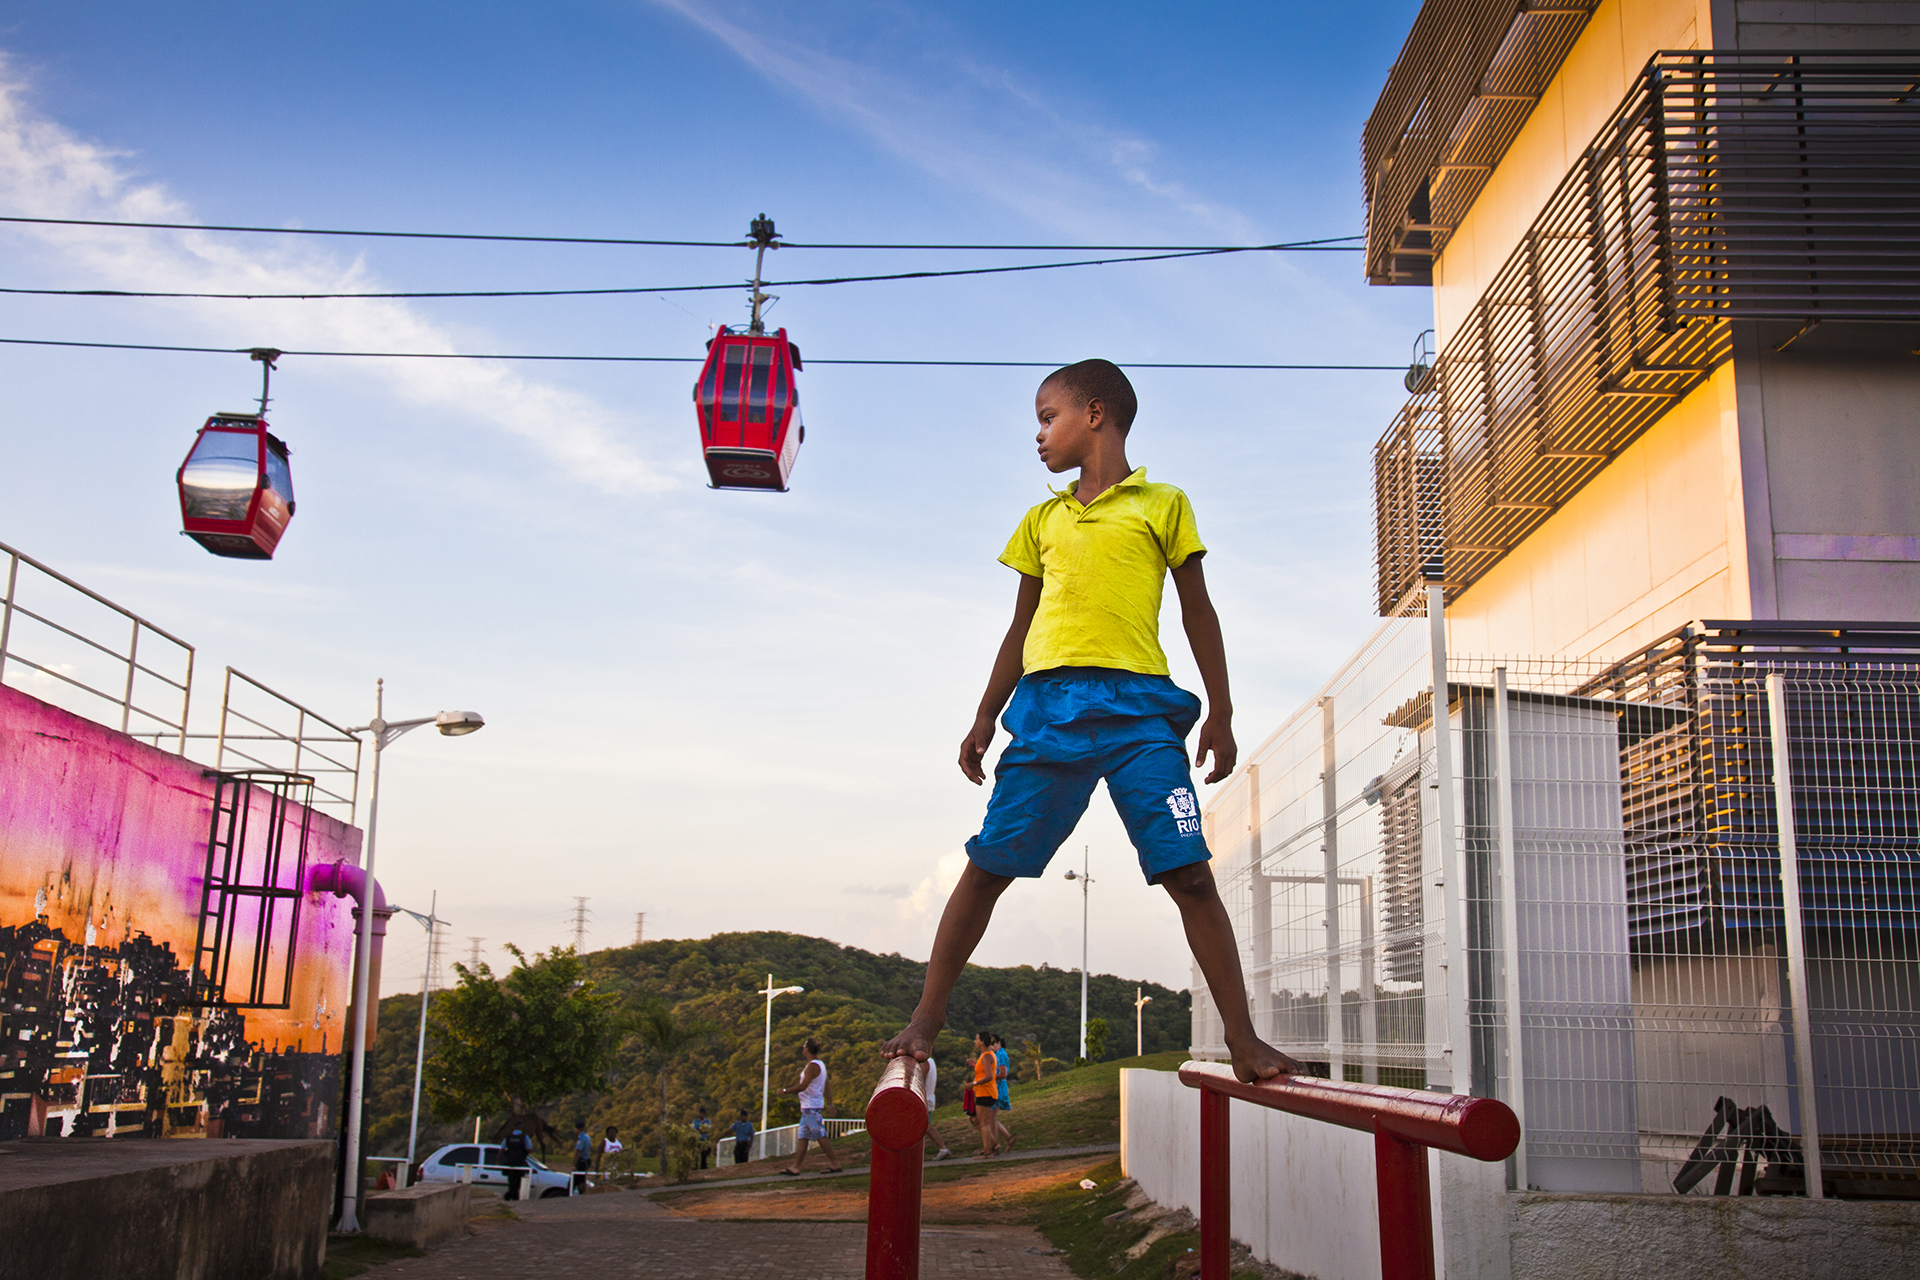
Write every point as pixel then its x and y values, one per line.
pixel 1598 846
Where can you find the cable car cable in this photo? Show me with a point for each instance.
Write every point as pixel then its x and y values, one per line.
pixel 463 355
pixel 683 244
pixel 632 289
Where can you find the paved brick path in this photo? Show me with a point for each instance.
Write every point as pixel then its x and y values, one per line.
pixel 624 1234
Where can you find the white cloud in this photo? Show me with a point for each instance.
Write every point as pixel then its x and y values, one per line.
pixel 47 171
pixel 1006 142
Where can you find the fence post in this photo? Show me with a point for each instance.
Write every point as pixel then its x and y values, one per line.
pixel 897 1122
pixel 1216 1189
pixel 1510 918
pixel 1453 880
pixel 1796 934
pixel 1406 1207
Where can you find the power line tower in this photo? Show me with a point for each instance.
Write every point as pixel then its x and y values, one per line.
pixel 580 914
pixel 639 927
pixel 473 955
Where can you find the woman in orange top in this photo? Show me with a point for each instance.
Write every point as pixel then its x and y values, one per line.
pixel 986 1092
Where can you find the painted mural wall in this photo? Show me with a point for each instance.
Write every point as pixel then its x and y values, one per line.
pixel 103 857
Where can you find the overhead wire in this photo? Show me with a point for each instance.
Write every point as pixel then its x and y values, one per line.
pixel 624 289
pixel 467 355
pixel 683 244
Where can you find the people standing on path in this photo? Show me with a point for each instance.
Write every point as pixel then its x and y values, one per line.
pixel 742 1138
pixel 815 1097
pixel 609 1146
pixel 513 1154
pixel 703 1129
pixel 986 1092
pixel 1003 1072
pixel 582 1155
pixel 1085 687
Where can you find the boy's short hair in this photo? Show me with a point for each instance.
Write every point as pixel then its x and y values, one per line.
pixel 812 1045
pixel 1101 380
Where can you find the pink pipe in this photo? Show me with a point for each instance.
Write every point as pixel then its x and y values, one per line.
pixel 345 880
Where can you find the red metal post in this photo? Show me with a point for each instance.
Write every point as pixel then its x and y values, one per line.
pixel 897 1123
pixel 1406 1207
pixel 1216 1185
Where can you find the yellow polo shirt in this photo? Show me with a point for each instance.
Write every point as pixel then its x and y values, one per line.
pixel 1102 569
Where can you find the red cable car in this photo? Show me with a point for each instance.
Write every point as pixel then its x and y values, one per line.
pixel 747 397
pixel 236 487
pixel 749 407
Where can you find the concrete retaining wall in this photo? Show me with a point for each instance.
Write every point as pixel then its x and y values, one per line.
pixel 216 1209
pixel 1557 1237
pixel 422 1216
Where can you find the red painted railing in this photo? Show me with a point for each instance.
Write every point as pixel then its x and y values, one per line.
pixel 1403 1122
pixel 897 1123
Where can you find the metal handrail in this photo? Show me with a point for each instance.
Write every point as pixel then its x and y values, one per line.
pixel 1403 1122
pixel 897 1119
pixel 9 606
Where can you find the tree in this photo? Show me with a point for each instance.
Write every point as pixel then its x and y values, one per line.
pixel 1096 1039
pixel 665 1037
pixel 517 1043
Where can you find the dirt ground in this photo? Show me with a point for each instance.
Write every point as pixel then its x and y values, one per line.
pixel 982 1194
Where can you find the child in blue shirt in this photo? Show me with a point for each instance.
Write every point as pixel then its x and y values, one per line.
pixel 1085 686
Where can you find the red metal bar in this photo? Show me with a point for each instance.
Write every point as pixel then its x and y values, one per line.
pixel 1216 1185
pixel 1406 1208
pixel 1483 1128
pixel 1404 1123
pixel 897 1123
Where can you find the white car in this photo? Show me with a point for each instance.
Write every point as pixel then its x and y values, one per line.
pixel 444 1166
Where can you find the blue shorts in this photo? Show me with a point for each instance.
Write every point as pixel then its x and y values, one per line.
pixel 813 1124
pixel 1071 727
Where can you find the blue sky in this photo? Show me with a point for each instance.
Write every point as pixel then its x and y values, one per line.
pixel 730 711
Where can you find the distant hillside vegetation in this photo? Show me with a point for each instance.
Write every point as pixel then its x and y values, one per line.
pixel 854 1000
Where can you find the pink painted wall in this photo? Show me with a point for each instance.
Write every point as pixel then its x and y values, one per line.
pixel 103 849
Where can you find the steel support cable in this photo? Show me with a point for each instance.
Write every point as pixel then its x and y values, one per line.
pixel 638 289
pixel 681 244
pixel 466 355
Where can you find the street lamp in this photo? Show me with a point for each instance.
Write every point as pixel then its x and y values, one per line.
pixel 1085 880
pixel 766 1063
pixel 1140 1004
pixel 452 724
pixel 430 922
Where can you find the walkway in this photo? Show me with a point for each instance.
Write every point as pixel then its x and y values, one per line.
pixel 815 1170
pixel 618 1235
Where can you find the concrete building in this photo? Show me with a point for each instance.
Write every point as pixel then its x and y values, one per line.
pixel 1674 248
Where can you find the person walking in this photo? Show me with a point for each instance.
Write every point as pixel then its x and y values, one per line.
pixel 815 1098
pixel 513 1155
pixel 703 1129
pixel 1003 1073
pixel 742 1139
pixel 582 1156
pixel 933 1095
pixel 609 1146
pixel 986 1092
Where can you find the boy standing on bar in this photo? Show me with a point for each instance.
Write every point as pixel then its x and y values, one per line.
pixel 1091 699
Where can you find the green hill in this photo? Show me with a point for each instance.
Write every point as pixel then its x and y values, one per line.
pixel 854 1000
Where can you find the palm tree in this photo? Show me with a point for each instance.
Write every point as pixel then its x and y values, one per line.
pixel 666 1037
pixel 1031 1051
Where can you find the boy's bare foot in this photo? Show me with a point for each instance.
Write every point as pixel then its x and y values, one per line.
pixel 915 1042
pixel 1258 1060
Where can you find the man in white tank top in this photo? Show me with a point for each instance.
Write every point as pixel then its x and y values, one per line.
pixel 814 1098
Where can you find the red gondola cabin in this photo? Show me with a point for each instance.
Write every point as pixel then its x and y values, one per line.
pixel 236 489
pixel 749 406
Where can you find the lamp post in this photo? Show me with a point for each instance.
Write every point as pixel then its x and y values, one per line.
pixel 431 922
pixel 452 724
pixel 1140 1004
pixel 766 1063
pixel 1086 855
